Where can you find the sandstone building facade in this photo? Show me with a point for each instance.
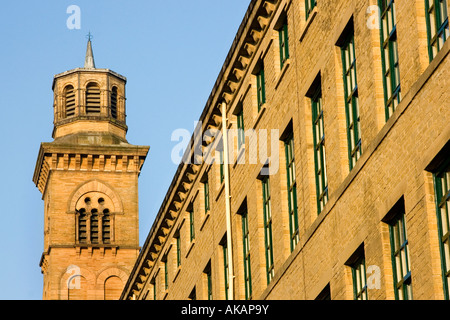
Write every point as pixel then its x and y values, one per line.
pixel 349 197
pixel 88 177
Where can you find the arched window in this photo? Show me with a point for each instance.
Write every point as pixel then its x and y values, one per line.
pixel 106 226
pixel 92 99
pixel 78 288
pixel 113 288
pixel 114 102
pixel 95 224
pixel 82 226
pixel 69 101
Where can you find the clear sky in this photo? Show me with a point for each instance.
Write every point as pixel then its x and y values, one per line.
pixel 171 53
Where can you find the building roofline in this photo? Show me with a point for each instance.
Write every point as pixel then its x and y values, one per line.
pixel 68 72
pixel 216 94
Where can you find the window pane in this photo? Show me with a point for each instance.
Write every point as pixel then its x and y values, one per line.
pixel 401 261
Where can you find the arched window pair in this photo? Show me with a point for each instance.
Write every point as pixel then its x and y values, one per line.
pixel 92 100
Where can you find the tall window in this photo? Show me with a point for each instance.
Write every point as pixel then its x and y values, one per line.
pixel 351 99
pixel 246 246
pixel 319 150
pixel 69 97
pixel 206 195
pixel 437 25
pixel 166 274
pixel 153 283
pixel 92 99
pixel 389 56
pixel 191 224
pixel 400 257
pixel 221 167
pixel 207 274
pixel 442 191
pixel 268 245
pixel 241 129
pixel 292 190
pixel 225 267
pixel 283 36
pixel 114 102
pixel 261 88
pixel 309 6
pixel 178 241
pixel 359 279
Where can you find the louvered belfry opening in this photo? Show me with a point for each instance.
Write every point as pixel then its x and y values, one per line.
pixel 69 96
pixel 106 226
pixel 92 99
pixel 94 226
pixel 82 226
pixel 114 102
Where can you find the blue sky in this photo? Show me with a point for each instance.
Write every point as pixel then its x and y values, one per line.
pixel 171 53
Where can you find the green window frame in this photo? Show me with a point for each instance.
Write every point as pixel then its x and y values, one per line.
pixel 268 244
pixel 191 224
pixel 437 25
pixel 261 88
pixel 209 280
pixel 241 129
pixel 178 239
pixel 206 195
pixel 283 35
pixel 351 100
pixel 389 57
pixel 221 168
pixel 319 150
pixel 309 6
pixel 359 279
pixel 153 283
pixel 292 191
pixel 246 249
pixel 442 196
pixel 401 267
pixel 225 268
pixel 166 274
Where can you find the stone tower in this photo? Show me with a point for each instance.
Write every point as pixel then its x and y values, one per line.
pixel 88 177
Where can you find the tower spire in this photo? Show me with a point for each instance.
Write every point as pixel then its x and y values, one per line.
pixel 89 60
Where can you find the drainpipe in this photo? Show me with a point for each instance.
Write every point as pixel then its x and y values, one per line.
pixel 227 202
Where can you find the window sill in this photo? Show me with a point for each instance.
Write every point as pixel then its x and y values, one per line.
pixel 222 186
pixel 177 273
pixel 240 154
pixel 308 23
pixel 260 114
pixel 190 248
pixel 286 65
pixel 204 220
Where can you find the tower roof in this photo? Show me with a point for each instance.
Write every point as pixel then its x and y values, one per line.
pixel 89 62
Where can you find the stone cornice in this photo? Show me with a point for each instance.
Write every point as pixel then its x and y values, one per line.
pixel 102 158
pixel 59 75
